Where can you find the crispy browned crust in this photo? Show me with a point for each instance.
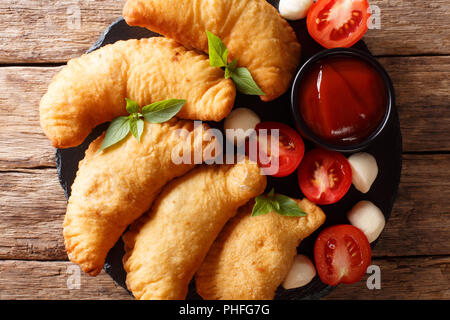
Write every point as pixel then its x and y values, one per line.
pixel 166 246
pixel 252 255
pixel 252 30
pixel 92 89
pixel 114 187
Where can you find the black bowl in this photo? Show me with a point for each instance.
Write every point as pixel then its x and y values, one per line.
pixel 341 52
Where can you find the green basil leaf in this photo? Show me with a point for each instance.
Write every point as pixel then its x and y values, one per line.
pixel 132 106
pixel 117 131
pixel 232 65
pixel 162 111
pixel 244 82
pixel 228 73
pixel 288 207
pixel 230 68
pixel 261 207
pixel 136 128
pixel 218 52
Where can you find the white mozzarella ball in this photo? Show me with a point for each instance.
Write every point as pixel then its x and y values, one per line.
pixel 294 9
pixel 368 218
pixel 238 124
pixel 300 274
pixel 364 170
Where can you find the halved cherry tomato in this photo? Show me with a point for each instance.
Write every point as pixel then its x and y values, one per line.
pixel 342 254
pixel 324 176
pixel 290 151
pixel 338 23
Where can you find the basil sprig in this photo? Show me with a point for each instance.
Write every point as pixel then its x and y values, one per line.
pixel 278 203
pixel 242 78
pixel 157 112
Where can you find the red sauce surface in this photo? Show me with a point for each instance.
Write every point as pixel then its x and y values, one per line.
pixel 342 100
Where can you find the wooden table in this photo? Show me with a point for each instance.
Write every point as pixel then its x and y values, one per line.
pixel 37 37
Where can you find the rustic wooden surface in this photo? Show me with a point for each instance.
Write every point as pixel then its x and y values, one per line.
pixel 36 37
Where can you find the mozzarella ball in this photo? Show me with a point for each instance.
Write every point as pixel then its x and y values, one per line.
pixel 364 170
pixel 368 218
pixel 294 9
pixel 300 274
pixel 238 123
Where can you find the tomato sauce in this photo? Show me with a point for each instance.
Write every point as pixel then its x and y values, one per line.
pixel 342 100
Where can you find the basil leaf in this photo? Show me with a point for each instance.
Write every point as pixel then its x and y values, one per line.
pixel 136 127
pixel 244 82
pixel 232 65
pixel 162 111
pixel 230 68
pixel 117 131
pixel 288 207
pixel 279 203
pixel 132 106
pixel 218 52
pixel 261 207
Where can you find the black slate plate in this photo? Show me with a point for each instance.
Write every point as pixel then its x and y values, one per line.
pixel 387 149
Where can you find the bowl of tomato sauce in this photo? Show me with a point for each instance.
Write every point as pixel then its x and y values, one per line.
pixel 341 99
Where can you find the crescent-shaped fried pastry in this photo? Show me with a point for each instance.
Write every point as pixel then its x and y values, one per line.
pixel 116 186
pixel 252 255
pixel 252 30
pixel 92 89
pixel 166 246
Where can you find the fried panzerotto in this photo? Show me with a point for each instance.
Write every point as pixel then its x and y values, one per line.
pixel 116 186
pixel 92 89
pixel 252 30
pixel 252 255
pixel 165 247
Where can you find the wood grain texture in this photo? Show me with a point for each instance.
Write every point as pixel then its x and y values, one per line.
pixel 22 141
pixel 52 280
pixel 48 31
pixel 401 278
pixel 32 207
pixel 411 27
pixel 423 101
pixel 52 31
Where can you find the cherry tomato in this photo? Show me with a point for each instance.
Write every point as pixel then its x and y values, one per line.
pixel 290 151
pixel 324 176
pixel 342 254
pixel 338 23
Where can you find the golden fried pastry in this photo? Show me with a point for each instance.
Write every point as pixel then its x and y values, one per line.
pixel 165 247
pixel 92 89
pixel 252 30
pixel 252 255
pixel 116 186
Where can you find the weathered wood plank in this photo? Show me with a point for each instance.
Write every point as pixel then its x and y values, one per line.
pixel 423 101
pixel 32 207
pixel 410 27
pixel 22 141
pixel 410 278
pixel 52 280
pixel 419 223
pixel 49 31
pixel 52 31
pixel 419 278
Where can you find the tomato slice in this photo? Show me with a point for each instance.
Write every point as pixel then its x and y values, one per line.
pixel 290 149
pixel 324 176
pixel 342 254
pixel 338 23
